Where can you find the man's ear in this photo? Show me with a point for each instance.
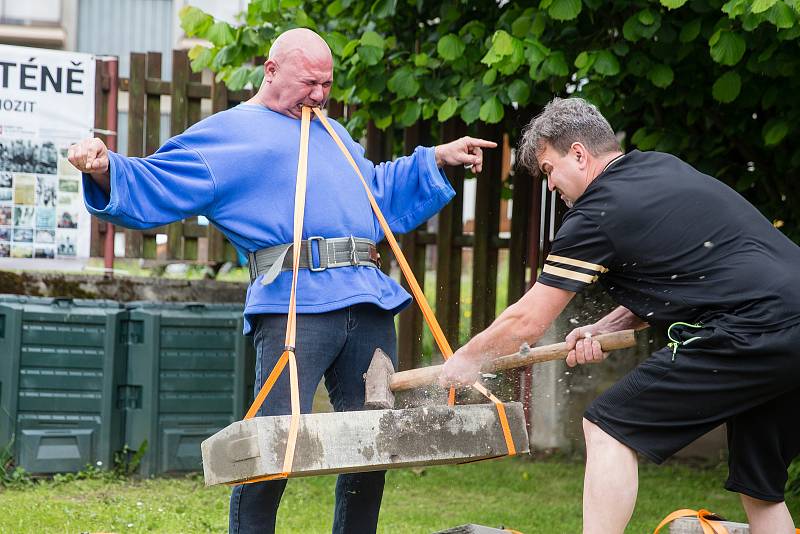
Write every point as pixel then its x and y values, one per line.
pixel 270 67
pixel 580 153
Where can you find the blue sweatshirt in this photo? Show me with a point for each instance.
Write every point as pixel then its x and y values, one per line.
pixel 238 168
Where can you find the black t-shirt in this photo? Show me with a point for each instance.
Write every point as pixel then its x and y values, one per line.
pixel 672 244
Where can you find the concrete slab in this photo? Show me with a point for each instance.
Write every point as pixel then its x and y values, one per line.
pixel 472 529
pixel 690 525
pixel 345 442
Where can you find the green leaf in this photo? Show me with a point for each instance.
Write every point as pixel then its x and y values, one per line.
pixel 220 33
pixel 661 75
pixel 447 109
pixel 502 43
pixel 349 48
pixel 759 6
pixel 450 47
pixel 194 21
pixel 519 92
pixel 582 61
pixel 690 31
pixel 337 41
pixel 781 16
pixel 556 64
pixel 521 26
pixel 384 8
pixel 672 4
pixel 370 38
pixel 201 57
pixel 238 78
pixel 535 53
pixel 727 87
pixel 774 131
pixel 403 83
pixel 370 55
pixel 421 60
pixel 383 122
pixel 564 9
pixel 727 47
pixel 409 113
pixel 471 111
pixel 334 8
pixel 646 17
pixel 491 111
pixel 606 63
pixel 489 77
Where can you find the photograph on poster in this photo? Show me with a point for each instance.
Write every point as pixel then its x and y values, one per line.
pixel 45 252
pixel 5 216
pixel 5 249
pixel 65 168
pixel 26 155
pixel 67 219
pixel 24 215
pixel 24 189
pixel 5 233
pixel 66 242
pixel 45 237
pixel 45 218
pixel 6 194
pixel 21 251
pixel 68 185
pixel 23 235
pixel 46 191
pixel 5 179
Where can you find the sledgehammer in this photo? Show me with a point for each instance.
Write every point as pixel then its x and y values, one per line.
pixel 382 381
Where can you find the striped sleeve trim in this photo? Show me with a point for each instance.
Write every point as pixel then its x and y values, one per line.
pixel 571 269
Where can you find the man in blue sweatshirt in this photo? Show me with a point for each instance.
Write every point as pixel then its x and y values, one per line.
pixel 238 168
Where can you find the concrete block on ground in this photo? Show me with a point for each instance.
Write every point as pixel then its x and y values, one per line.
pixel 345 442
pixel 472 529
pixel 691 525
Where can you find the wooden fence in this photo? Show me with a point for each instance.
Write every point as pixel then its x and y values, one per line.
pixel 525 248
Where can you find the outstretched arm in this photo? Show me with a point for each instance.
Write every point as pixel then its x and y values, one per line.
pixel 523 322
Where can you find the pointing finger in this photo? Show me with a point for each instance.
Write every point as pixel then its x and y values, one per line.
pixel 472 141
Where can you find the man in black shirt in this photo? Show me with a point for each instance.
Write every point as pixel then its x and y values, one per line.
pixel 678 250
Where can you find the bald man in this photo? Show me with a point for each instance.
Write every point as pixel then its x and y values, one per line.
pixel 238 168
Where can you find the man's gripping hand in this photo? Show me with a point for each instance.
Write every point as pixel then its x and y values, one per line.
pixel 89 156
pixel 583 348
pixel 465 151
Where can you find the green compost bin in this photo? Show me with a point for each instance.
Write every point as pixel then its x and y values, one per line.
pixel 60 363
pixel 190 373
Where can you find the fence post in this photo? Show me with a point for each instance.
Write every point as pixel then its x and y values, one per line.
pixel 136 124
pixel 522 183
pixel 178 123
pixel 487 224
pixel 99 227
pixel 409 334
pixel 448 253
pixel 216 241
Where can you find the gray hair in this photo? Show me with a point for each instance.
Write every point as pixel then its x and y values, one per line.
pixel 562 122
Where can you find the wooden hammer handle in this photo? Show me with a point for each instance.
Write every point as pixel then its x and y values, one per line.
pixel 423 376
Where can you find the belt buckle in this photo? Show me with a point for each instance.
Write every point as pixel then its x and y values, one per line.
pixel 321 267
pixel 353 252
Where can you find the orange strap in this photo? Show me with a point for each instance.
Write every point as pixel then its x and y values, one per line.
pixel 291 321
pixel 427 312
pixel 707 523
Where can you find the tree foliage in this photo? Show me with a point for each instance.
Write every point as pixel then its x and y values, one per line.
pixel 708 80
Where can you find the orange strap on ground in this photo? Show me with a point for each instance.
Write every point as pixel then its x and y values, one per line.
pixel 709 526
pixel 427 312
pixel 291 321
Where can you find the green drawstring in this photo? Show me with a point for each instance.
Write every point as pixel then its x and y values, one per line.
pixel 674 343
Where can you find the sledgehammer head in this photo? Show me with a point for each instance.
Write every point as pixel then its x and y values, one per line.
pixel 378 395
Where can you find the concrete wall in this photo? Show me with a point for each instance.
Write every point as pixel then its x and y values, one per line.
pixel 123 289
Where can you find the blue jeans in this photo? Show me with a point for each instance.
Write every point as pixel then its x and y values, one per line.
pixel 339 346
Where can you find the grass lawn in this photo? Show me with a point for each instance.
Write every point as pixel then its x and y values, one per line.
pixel 530 496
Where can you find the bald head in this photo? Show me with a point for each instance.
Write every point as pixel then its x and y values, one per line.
pixel 300 40
pixel 297 73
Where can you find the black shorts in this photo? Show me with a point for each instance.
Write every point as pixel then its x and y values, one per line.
pixel 749 381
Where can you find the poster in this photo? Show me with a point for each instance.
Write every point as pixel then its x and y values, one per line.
pixel 46 104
